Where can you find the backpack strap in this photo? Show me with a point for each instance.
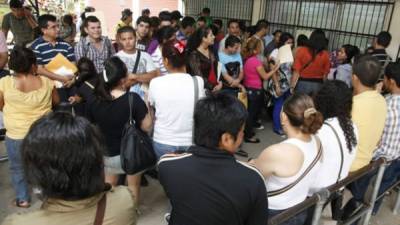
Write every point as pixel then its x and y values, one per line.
pixel 312 164
pixel 136 62
pixel 341 150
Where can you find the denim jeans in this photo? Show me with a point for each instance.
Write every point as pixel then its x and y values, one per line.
pixel 162 149
pixel 18 180
pixel 255 101
pixel 307 87
pixel 276 115
pixel 298 219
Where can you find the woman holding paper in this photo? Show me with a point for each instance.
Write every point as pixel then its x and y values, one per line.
pixel 24 98
pixel 282 54
pixel 254 74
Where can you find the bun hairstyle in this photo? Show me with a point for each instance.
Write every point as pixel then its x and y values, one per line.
pixel 302 114
pixel 114 71
pixel 21 60
pixel 175 53
pixel 86 70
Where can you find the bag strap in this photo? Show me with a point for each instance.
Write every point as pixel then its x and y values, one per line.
pixel 341 150
pixel 312 164
pixel 130 100
pixel 101 208
pixel 136 62
pixel 306 65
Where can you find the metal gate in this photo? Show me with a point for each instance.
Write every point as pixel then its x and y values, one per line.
pixel 222 9
pixel 345 22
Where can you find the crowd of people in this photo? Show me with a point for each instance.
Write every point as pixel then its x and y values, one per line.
pixel 182 82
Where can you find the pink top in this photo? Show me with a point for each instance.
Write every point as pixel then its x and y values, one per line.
pixel 251 77
pixel 3 44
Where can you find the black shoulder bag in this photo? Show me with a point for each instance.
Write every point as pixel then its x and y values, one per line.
pixel 137 153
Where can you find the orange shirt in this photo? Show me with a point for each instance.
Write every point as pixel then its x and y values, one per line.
pixel 319 67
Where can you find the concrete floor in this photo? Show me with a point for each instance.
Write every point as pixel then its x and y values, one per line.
pixel 154 203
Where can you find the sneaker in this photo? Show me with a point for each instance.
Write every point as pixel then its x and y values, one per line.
pixel 252 140
pixel 259 127
pixel 242 153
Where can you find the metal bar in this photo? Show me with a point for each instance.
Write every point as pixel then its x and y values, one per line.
pixel 323 196
pixel 397 204
pixel 375 192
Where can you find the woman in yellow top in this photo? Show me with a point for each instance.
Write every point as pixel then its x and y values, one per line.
pixel 24 98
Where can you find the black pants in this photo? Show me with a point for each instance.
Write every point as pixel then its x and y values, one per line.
pixel 255 98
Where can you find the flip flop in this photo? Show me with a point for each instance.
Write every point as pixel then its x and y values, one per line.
pixel 22 204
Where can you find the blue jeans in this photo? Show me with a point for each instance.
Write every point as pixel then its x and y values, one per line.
pixel 162 149
pixel 276 115
pixel 296 220
pixel 16 169
pixel 307 87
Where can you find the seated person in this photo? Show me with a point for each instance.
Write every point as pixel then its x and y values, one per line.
pixel 67 167
pixel 208 185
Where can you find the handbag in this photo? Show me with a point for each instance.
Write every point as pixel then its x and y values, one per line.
pixel 283 84
pixel 290 186
pixel 242 96
pixel 137 153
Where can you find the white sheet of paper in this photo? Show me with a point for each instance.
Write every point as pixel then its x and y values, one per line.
pixel 63 71
pixel 285 54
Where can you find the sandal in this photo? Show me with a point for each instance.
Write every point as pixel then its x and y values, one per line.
pixel 22 204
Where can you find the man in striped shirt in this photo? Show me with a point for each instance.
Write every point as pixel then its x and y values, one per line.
pixel 47 46
pixel 381 42
pixel 389 145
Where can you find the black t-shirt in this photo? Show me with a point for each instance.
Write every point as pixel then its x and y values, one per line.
pixel 209 186
pixel 111 117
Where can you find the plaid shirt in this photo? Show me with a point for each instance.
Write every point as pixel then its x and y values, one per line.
pixel 85 48
pixel 389 146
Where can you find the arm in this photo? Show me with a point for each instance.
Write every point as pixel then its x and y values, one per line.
pixel 43 71
pixel 143 78
pixel 55 99
pixel 264 75
pixel 3 59
pixel 1 101
pixel 259 213
pixel 5 31
pixel 146 123
pixel 31 21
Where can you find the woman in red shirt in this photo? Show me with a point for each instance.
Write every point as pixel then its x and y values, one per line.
pixel 311 65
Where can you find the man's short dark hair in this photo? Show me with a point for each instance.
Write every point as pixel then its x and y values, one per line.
pixel 44 19
pixel 176 15
pixel 367 68
pixel 145 11
pixel 202 19
pixel 231 40
pixel 384 38
pixel 206 10
pixel 215 115
pixel 126 29
pixel 392 71
pixel 90 19
pixel 165 16
pixel 63 156
pixel 187 21
pixel 16 4
pixel 262 24
pixel 232 21
pixel 143 19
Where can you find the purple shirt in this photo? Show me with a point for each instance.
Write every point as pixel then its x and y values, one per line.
pixel 152 46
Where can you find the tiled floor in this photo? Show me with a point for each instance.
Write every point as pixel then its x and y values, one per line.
pixel 154 204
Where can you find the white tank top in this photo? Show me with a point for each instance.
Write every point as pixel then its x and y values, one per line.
pixel 297 193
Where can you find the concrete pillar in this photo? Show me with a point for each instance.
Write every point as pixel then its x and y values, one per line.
pixel 258 10
pixel 395 31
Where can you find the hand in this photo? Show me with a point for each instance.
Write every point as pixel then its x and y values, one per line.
pixel 242 89
pixel 27 13
pixel 235 83
pixel 278 90
pixel 379 87
pixel 74 99
pixel 217 87
pixel 275 67
pixel 68 81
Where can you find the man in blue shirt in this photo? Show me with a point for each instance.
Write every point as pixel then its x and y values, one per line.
pixel 47 46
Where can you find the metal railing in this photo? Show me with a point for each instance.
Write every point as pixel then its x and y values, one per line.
pixel 321 198
pixel 345 22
